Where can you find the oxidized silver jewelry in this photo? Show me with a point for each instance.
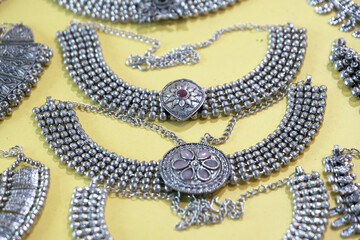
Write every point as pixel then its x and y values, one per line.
pixel 259 89
pixel 144 10
pixel 189 168
pixel 21 61
pixel 310 211
pixel 338 167
pixel 22 194
pixel 347 62
pixel 348 13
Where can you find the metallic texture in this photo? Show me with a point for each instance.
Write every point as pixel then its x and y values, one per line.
pixel 338 168
pixel 144 10
pixel 194 168
pixel 22 195
pixel 347 13
pixel 182 98
pixel 347 61
pixel 21 61
pixel 259 89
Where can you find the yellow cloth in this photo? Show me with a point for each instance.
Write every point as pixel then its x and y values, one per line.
pixel 267 216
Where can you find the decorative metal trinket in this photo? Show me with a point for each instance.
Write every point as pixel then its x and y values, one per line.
pixel 193 164
pixel 310 211
pixel 22 194
pixel 347 62
pixel 348 13
pixel 259 89
pixel 338 167
pixel 21 61
pixel 144 10
pixel 182 98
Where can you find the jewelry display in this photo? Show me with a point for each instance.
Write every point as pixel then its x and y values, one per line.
pixel 21 62
pixel 338 167
pixel 182 99
pixel 22 194
pixel 346 61
pixel 143 11
pixel 189 168
pixel 310 211
pixel 347 13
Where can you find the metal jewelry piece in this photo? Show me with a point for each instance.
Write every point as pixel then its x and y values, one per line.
pixel 309 221
pixel 21 62
pixel 22 194
pixel 144 10
pixel 193 167
pixel 348 13
pixel 347 62
pixel 259 89
pixel 338 167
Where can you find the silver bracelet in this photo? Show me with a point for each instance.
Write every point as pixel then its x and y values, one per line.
pixel 21 62
pixel 346 61
pixel 259 89
pixel 338 167
pixel 310 211
pixel 144 10
pixel 347 13
pixel 190 168
pixel 22 194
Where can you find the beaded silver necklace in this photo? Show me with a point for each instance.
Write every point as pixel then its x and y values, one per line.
pixel 21 62
pixel 182 99
pixel 310 211
pixel 348 13
pixel 144 10
pixel 194 170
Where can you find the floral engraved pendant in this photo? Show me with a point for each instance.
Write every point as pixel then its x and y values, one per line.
pixel 182 98
pixel 195 168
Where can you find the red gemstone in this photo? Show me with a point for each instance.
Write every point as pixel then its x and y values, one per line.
pixel 182 93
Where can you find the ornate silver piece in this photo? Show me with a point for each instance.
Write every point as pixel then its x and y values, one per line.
pixel 132 178
pixel 347 62
pixel 22 194
pixel 309 221
pixel 259 89
pixel 21 61
pixel 144 10
pixel 348 13
pixel 182 98
pixel 195 168
pixel 338 167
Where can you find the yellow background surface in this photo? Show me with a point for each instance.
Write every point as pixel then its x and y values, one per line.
pixel 267 216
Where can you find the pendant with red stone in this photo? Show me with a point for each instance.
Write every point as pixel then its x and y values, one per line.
pixel 195 168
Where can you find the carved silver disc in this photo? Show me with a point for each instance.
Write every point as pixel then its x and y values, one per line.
pixel 195 168
pixel 182 98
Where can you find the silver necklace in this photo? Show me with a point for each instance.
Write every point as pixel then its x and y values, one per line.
pixel 347 13
pixel 22 194
pixel 347 62
pixel 309 220
pixel 182 99
pixel 338 167
pixel 144 10
pixel 21 62
pixel 191 169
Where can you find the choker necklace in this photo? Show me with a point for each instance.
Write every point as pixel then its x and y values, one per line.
pixel 182 99
pixel 144 10
pixel 346 9
pixel 22 194
pixel 21 61
pixel 190 169
pixel 310 211
pixel 347 61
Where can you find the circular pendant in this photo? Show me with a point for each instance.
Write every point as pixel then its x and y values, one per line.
pixel 195 168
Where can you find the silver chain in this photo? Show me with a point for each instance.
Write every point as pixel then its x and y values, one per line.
pixel 353 151
pixel 12 152
pixel 185 54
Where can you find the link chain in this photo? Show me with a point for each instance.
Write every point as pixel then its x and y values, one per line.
pixel 353 151
pixel 185 54
pixel 12 152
